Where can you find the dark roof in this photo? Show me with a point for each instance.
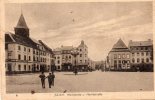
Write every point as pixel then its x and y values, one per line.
pixel 14 38
pixel 119 46
pixel 46 47
pixel 21 22
pixel 141 43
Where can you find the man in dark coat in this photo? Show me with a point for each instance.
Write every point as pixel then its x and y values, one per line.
pixel 42 77
pixel 50 77
pixel 53 76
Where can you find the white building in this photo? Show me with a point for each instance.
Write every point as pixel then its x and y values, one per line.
pixel 58 58
pixel 83 56
pixel 141 54
pixel 24 54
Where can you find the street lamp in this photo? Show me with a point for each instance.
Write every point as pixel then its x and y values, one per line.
pixel 75 52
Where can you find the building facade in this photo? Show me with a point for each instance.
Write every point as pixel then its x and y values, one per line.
pixel 82 58
pixel 119 57
pixel 24 54
pixel 65 61
pixel 58 59
pixel 141 55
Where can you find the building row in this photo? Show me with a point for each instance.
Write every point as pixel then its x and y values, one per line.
pixel 24 54
pixel 66 61
pixel 137 56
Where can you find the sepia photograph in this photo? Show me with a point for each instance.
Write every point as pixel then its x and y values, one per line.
pixel 72 47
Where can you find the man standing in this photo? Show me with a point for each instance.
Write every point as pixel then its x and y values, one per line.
pixel 53 76
pixel 42 77
pixel 49 79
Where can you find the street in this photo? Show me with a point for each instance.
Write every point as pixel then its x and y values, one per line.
pixel 96 81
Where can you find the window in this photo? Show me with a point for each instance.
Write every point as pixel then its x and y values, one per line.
pixel 119 56
pixel 29 50
pixel 19 67
pixel 128 56
pixel 69 57
pixel 18 47
pixel 141 48
pixel 24 57
pixel 58 67
pixel 80 55
pixel 58 62
pixel 115 56
pixel 115 61
pixel 34 52
pixel 133 60
pixel 138 60
pixel 137 53
pixel 58 57
pixel 119 61
pixel 80 49
pixel 19 57
pixel 142 53
pixel 25 67
pixel 33 58
pixel 147 59
pixel 147 53
pixel 29 58
pixel 133 54
pixel 146 48
pixel 29 67
pixel 142 60
pixel 85 60
pixel 24 49
pixel 85 55
pixel 81 61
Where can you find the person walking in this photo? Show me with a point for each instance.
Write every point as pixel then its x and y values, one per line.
pixel 42 77
pixel 50 79
pixel 53 76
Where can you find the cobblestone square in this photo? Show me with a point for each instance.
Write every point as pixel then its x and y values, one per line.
pixel 96 81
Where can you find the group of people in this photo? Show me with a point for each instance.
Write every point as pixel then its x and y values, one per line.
pixel 50 77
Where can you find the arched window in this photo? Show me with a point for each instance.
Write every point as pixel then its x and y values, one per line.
pixel 58 62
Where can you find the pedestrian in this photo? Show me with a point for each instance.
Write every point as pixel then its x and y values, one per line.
pixel 50 79
pixel 53 76
pixel 42 77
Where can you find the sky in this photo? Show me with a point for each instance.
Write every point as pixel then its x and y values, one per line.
pixel 100 25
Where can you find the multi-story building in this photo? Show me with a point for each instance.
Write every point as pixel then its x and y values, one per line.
pixel 119 56
pixel 58 59
pixel 141 55
pixel 65 61
pixel 82 57
pixel 67 58
pixel 24 54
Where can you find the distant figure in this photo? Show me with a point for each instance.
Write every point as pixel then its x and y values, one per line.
pixel 42 77
pixel 53 76
pixel 50 78
pixel 75 71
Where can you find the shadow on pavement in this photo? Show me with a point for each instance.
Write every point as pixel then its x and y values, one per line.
pixel 77 74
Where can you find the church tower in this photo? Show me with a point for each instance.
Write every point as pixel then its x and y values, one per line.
pixel 21 28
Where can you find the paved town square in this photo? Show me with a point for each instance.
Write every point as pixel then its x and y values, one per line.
pixel 95 81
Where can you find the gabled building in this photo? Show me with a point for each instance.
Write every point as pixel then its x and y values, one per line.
pixel 119 57
pixel 141 55
pixel 83 56
pixel 24 54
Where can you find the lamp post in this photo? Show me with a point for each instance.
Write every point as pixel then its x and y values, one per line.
pixel 75 52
